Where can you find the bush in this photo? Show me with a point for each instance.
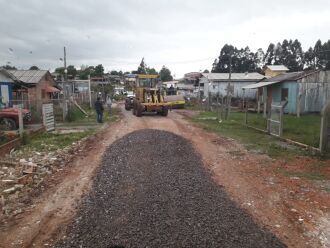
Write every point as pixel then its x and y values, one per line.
pixel 74 114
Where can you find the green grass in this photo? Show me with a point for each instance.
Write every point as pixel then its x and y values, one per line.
pixel 79 119
pixel 305 129
pixel 252 139
pixel 47 142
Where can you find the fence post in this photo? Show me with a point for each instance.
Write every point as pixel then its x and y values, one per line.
pixel 20 121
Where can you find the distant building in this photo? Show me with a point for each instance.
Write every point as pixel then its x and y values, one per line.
pixel 274 70
pixel 217 83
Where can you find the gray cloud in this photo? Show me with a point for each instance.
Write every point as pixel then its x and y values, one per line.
pixel 184 35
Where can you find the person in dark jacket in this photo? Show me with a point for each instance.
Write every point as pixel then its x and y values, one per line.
pixel 99 110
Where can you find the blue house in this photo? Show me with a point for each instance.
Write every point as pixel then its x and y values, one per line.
pixel 306 91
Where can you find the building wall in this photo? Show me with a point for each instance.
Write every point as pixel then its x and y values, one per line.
pixel 221 87
pixel 292 87
pixel 314 91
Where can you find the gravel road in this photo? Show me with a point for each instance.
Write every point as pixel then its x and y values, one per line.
pixel 152 190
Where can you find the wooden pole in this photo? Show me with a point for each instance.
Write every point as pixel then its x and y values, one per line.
pixel 20 121
pixel 90 91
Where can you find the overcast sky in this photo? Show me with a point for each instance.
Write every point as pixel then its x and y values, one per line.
pixel 184 35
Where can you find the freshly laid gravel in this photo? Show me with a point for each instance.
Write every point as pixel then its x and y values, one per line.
pixel 153 191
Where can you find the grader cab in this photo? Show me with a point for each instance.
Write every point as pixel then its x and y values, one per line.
pixel 149 98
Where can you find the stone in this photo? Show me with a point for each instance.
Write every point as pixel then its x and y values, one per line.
pixel 8 181
pixel 19 186
pixel 9 190
pixel 22 161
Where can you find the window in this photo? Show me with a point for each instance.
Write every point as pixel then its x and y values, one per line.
pixel 284 94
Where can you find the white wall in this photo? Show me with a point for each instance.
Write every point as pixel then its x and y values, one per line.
pixel 221 87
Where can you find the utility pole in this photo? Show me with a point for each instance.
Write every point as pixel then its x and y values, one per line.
pixel 65 109
pixel 228 90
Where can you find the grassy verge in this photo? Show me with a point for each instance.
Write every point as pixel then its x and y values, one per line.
pixel 305 129
pixel 48 142
pixel 79 119
pixel 252 139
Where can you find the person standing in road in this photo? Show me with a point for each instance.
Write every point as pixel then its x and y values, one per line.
pixel 99 110
pixel 109 103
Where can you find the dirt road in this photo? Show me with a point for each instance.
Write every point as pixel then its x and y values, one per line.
pixel 296 216
pixel 164 197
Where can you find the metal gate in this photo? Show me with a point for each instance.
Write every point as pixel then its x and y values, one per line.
pixel 275 119
pixel 48 116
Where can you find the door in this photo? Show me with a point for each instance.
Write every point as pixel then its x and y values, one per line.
pixel 5 94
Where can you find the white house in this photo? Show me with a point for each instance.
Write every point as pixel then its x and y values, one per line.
pixel 217 83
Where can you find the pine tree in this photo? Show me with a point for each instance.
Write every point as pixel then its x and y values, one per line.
pixel 269 58
pixel 142 68
pixel 309 57
pixel 259 59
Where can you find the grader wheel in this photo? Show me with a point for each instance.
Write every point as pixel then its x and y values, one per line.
pixel 164 112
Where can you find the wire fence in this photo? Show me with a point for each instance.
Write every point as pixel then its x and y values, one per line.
pixel 272 119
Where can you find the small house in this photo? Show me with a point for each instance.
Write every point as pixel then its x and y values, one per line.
pixel 40 85
pixel 274 70
pixel 305 91
pixel 217 83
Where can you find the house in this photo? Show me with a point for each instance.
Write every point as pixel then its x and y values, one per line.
pixel 274 70
pixel 217 83
pixel 172 83
pixel 9 87
pixel 40 85
pixel 305 91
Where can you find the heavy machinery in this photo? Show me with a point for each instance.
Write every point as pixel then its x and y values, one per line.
pixel 149 97
pixel 175 100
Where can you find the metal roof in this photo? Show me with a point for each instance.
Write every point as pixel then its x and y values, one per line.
pixel 253 76
pixel 258 85
pixel 291 76
pixel 277 67
pixel 29 76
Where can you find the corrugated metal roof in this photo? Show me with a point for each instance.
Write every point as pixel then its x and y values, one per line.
pixel 253 76
pixel 277 67
pixel 29 76
pixel 258 85
pixel 291 76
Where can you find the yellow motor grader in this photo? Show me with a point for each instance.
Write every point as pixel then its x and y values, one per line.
pixel 149 98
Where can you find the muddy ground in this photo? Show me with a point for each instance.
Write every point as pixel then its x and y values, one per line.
pixel 293 209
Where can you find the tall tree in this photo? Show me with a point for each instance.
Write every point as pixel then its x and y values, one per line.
pixel 151 71
pixel 142 67
pixel 269 58
pixel 34 67
pixel 72 71
pixel 309 57
pixel 317 51
pixel 259 59
pixel 227 59
pixel 165 74
pixel 295 59
pixel 8 67
pixel 99 71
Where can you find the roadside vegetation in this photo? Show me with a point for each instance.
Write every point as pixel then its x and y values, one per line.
pixel 52 141
pixel 252 139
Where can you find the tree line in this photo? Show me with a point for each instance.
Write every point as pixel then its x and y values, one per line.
pixel 98 71
pixel 288 53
